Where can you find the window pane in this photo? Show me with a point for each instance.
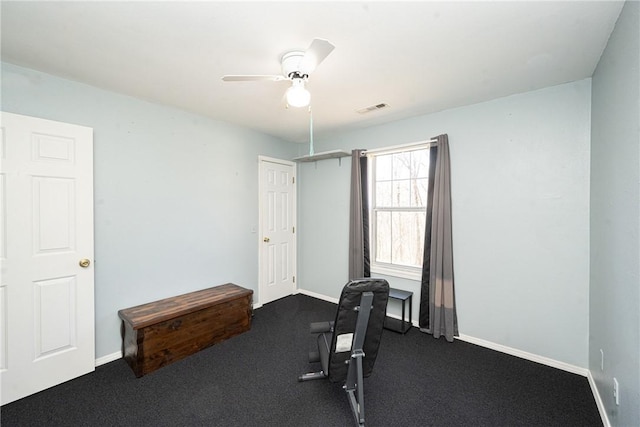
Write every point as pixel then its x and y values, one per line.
pixel 383 167
pixel 402 165
pixel 408 238
pixel 383 237
pixel 384 194
pixel 420 162
pixel 419 192
pixel 401 193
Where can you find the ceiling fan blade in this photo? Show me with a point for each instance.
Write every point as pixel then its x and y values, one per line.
pixel 315 54
pixel 252 78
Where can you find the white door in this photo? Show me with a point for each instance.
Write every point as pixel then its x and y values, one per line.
pixel 46 231
pixel 277 229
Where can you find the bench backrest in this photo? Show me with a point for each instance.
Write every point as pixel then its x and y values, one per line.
pixel 345 323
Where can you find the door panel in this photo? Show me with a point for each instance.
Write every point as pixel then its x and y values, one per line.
pixel 46 297
pixel 53 215
pixel 55 316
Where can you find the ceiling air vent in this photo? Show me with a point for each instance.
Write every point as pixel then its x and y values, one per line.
pixel 372 108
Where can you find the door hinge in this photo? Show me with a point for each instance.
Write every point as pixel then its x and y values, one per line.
pixel 293 179
pixel 294 279
pixel 294 230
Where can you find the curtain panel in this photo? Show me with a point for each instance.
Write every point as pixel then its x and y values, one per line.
pixel 359 262
pixel 437 299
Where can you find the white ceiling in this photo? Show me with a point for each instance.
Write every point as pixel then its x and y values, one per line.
pixel 418 57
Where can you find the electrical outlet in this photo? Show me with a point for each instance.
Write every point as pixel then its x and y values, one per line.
pixel 616 391
pixel 601 360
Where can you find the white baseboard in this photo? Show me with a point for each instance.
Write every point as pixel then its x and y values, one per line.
pixel 318 296
pixel 525 355
pixel 108 358
pixel 599 402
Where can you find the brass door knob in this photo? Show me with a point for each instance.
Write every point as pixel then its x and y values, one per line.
pixel 84 263
pixel 266 240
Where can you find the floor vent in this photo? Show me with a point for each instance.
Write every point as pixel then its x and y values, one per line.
pixel 372 108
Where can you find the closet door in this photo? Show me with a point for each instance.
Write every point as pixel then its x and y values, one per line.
pixel 46 252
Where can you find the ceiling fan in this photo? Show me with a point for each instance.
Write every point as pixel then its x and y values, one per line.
pixel 296 67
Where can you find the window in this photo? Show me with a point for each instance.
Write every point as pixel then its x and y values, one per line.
pixel 399 183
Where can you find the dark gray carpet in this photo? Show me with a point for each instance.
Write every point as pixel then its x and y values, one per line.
pixel 251 380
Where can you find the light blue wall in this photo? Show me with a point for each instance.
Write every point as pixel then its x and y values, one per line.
pixel 615 217
pixel 175 193
pixel 520 183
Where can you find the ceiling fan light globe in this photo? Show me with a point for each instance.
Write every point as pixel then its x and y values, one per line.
pixel 298 96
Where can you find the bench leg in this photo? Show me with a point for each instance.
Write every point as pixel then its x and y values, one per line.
pixel 312 376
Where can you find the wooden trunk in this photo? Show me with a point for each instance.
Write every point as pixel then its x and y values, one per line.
pixel 162 332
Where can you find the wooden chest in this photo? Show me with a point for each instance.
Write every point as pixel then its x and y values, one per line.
pixel 162 332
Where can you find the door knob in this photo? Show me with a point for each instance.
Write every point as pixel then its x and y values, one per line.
pixel 266 240
pixel 84 263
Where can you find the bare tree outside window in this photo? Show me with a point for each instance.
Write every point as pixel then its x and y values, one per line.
pixel 399 185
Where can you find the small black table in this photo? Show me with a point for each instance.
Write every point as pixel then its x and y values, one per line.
pixel 399 325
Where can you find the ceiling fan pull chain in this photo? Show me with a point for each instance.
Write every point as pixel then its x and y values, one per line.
pixel 310 132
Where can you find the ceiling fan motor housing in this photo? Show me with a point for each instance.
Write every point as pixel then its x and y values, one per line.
pixel 291 65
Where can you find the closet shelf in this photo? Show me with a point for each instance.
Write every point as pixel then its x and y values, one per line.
pixel 334 154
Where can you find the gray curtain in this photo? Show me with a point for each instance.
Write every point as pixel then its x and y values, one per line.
pixel 359 265
pixel 437 300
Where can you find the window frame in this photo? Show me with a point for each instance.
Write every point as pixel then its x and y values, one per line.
pixel 390 269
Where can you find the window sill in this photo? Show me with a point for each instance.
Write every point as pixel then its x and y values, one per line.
pixel 393 272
